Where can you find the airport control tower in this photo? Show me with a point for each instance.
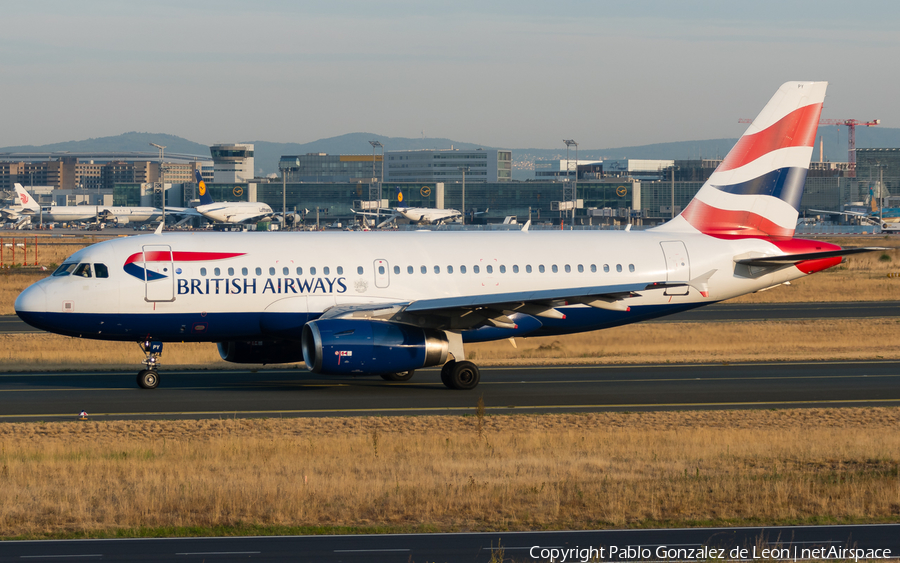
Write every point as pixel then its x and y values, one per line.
pixel 232 164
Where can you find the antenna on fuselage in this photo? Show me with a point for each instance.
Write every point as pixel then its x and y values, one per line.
pixel 158 230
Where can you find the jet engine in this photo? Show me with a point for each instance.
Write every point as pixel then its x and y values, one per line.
pixel 358 346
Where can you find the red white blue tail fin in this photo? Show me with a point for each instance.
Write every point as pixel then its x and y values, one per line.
pixel 756 190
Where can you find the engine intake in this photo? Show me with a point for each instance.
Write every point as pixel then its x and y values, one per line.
pixel 347 346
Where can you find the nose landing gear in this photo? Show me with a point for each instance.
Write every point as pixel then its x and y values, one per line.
pixel 149 378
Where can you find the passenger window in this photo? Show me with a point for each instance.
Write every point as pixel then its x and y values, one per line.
pixel 326 271
pixel 554 269
pixel 606 268
pixel 541 268
pixel 231 271
pixel 423 269
pixel 83 270
pixel 217 272
pixel 568 269
pixel 515 269
pixel 409 269
pixel 593 268
pixel 449 269
pixel 381 270
pixel 396 269
pixel 475 269
pixel 101 270
pixel 244 271
pixel 631 267
pixel 312 271
pixel 359 270
pixel 462 269
pixel 489 269
pixel 580 269
pixel 286 271
pixel 258 271
pixel 437 269
pixel 300 271
pixel 618 267
pixel 502 269
pixel 528 269
pixel 65 269
pixel 340 270
pixel 203 272
pixel 271 271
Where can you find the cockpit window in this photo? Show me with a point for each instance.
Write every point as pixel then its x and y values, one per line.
pixel 83 270
pixel 65 269
pixel 101 270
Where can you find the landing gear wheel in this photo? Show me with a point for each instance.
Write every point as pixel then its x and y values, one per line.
pixel 148 379
pixel 445 373
pixel 402 376
pixel 461 375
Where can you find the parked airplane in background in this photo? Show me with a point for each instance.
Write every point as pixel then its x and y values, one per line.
pixel 83 213
pixel 390 303
pixel 24 208
pixel 418 215
pixel 231 211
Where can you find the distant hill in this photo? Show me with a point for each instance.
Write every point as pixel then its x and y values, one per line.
pixel 268 153
pixel 132 141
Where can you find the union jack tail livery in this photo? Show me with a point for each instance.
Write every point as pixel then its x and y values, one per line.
pixel 756 190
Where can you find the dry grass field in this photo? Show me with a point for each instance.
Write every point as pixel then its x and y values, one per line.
pixel 573 471
pixel 832 339
pixel 576 471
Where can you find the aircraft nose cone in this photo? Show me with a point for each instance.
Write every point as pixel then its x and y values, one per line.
pixel 32 300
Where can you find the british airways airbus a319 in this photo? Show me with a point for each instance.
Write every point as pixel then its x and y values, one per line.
pixel 390 303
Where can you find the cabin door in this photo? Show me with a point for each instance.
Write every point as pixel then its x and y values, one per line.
pixel 159 273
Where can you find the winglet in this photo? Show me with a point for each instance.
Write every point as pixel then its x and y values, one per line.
pixel 159 229
pixel 526 225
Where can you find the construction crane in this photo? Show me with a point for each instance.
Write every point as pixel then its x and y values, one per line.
pixel 851 129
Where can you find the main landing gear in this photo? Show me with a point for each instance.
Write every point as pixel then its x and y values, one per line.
pixel 149 378
pixel 460 375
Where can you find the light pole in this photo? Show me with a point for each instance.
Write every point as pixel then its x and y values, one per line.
pixel 374 145
pixel 569 143
pixel 284 170
pixel 464 169
pixel 162 185
pixel 378 184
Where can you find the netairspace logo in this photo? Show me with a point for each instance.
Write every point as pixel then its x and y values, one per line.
pixel 702 553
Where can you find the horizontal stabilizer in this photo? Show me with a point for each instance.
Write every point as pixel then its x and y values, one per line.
pixel 788 259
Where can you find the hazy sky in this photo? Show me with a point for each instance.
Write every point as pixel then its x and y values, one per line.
pixel 518 74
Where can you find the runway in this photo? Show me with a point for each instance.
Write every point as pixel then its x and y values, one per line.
pixel 505 390
pixel 691 544
pixel 718 312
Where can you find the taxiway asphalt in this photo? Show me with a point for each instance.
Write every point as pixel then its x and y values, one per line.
pixel 292 392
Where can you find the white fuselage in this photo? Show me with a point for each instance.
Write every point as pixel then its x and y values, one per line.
pixel 268 275
pixel 235 211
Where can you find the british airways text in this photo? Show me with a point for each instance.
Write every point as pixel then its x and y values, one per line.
pixel 251 286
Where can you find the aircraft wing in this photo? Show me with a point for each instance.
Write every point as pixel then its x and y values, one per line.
pixel 850 213
pixel 186 211
pixel 474 311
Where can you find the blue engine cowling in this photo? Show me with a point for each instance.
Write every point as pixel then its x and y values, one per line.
pixel 359 346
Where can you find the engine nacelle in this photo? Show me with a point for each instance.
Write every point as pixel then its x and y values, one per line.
pixel 261 352
pixel 348 346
